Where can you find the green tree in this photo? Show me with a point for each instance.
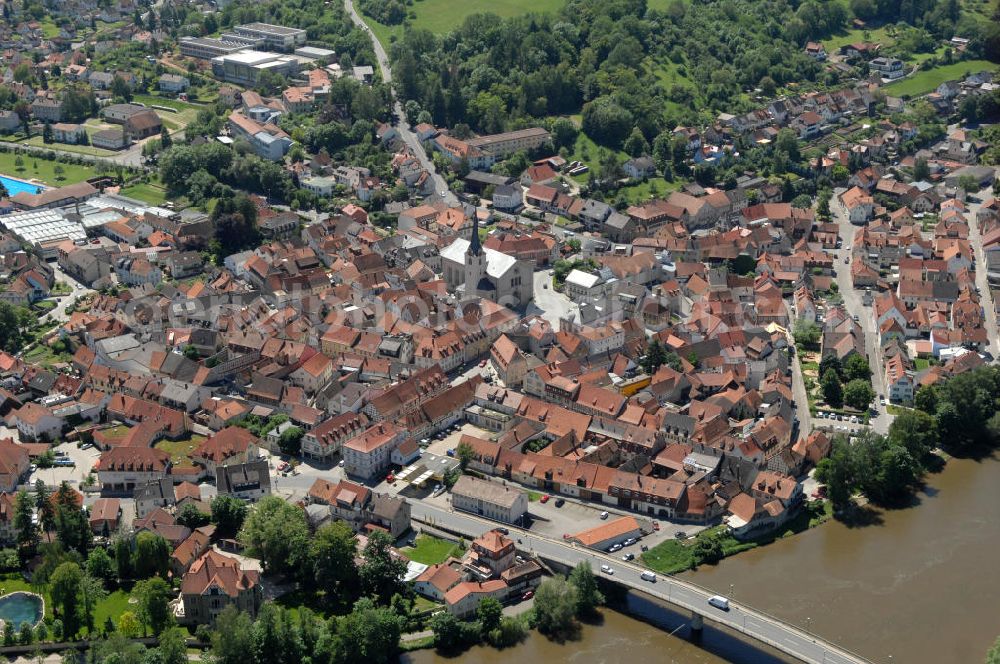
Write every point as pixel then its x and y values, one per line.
pixel 191 517
pixel 231 637
pixel 369 633
pixel 64 588
pixel 290 441
pixel 332 552
pixel 993 655
pixel 46 512
pixel 635 144
pixel 91 592
pixel 466 454
pixel 153 596
pixel 228 513
pixel 27 531
pixel 858 394
pixel 926 399
pixel 833 392
pixel 555 606
pixel 806 334
pixel 489 612
pixel 589 596
pixel 151 555
pixel 128 624
pixel 707 550
pixel 916 431
pixel 173 646
pixel 122 549
pixel 277 532
pixel 450 633
pixel 100 566
pixel 856 368
pixel 920 169
pixel 381 573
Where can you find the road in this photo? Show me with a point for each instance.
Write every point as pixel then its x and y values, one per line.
pixel 399 121
pixel 763 628
pixel 982 283
pixel 855 307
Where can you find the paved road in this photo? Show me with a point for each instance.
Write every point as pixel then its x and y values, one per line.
pixel 549 303
pixel 780 635
pixel 402 126
pixel 855 307
pixel 985 294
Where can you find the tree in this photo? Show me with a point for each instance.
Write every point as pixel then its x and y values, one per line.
pixel 231 638
pixel 606 122
pixel 369 633
pixel 450 633
pixel 856 368
pixel 332 552
pixel 64 588
pixel 173 646
pixel 707 550
pixel 290 441
pixel 100 566
pixel 993 656
pixel 277 532
pixel 806 334
pixel 27 531
pixel 635 144
pixel 830 362
pixel 916 431
pixel 926 399
pixel 191 517
pixel 47 133
pixel 151 556
pixel 165 140
pixel 59 172
pixel 153 597
pixel 555 606
pixel 381 573
pixel 489 612
pixel 228 513
pixel 466 454
pixel 858 394
pixel 122 549
pixel 91 592
pixel 898 473
pixel 18 163
pixel 920 169
pixel 833 392
pixel 589 597
pixel 128 624
pixel 119 88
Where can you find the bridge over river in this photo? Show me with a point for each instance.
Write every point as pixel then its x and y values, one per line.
pixel 759 626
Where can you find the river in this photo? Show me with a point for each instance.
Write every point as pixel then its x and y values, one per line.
pixel 915 586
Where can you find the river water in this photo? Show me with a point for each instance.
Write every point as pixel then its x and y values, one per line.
pixel 916 585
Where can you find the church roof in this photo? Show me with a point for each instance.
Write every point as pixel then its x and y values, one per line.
pixel 497 264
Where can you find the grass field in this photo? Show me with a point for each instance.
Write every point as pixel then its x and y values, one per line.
pixel 43 170
pixel 442 16
pixel 149 193
pixel 926 81
pixel 431 550
pixel 112 606
pixel 649 189
pixel 878 35
pixel 180 449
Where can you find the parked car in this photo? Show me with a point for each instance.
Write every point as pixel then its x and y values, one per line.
pixel 604 515
pixel 528 595
pixel 560 502
pixel 630 541
pixel 615 548
pixel 482 364
pixel 544 498
pixel 656 525
pixel 628 556
pixel 680 534
pixel 608 570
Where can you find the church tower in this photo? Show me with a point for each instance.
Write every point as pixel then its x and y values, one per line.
pixel 475 262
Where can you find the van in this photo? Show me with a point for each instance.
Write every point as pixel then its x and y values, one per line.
pixel 648 576
pixel 719 602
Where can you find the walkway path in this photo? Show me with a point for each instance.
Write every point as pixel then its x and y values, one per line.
pixel 399 120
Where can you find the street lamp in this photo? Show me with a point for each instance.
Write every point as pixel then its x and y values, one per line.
pixel 732 586
pixel 808 621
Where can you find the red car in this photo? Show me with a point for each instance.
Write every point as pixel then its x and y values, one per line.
pixel 528 595
pixel 482 364
pixel 390 478
pixel 545 498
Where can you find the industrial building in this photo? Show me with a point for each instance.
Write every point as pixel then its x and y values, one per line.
pixel 245 67
pixel 265 35
pixel 206 48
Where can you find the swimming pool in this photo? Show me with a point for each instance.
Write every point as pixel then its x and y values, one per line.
pixel 21 607
pixel 17 186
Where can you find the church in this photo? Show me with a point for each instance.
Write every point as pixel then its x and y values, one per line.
pixel 472 271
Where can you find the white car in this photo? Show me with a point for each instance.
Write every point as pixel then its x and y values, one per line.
pixel 604 515
pixel 607 569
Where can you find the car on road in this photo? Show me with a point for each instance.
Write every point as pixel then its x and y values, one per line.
pixel 656 526
pixel 719 602
pixel 341 463
pixel 560 502
pixel 443 193
pixel 604 515
pixel 607 569
pixel 628 556
pixel 502 531
pixel 482 364
pixel 282 466
pixel 544 498
pixel 648 576
pixel 680 534
pixel 615 548
pixel 86 446
pixel 630 541
pixel 528 595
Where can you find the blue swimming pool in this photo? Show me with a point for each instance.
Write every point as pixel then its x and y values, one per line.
pixel 17 186
pixel 21 607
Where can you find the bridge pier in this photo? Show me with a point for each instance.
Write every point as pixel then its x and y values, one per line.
pixel 697 626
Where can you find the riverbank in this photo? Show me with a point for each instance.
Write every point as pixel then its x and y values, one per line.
pixel 715 544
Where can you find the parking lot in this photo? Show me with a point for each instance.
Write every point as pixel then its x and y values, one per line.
pixel 84 461
pixel 441 446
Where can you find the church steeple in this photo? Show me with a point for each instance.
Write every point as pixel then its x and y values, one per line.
pixel 475 248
